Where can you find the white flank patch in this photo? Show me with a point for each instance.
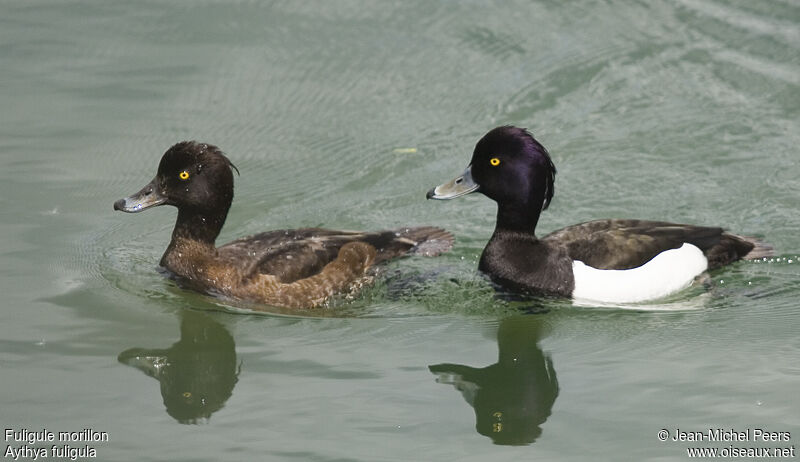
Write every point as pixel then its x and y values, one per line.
pixel 668 272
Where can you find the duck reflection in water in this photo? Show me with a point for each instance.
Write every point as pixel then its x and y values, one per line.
pixel 197 373
pixel 513 397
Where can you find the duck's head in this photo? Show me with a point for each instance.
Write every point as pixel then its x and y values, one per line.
pixel 510 167
pixel 191 176
pixel 197 179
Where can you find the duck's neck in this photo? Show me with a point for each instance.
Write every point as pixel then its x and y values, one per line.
pixel 200 227
pixel 517 217
pixel 192 242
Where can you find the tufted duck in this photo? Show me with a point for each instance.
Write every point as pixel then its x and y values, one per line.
pixel 296 268
pixel 616 260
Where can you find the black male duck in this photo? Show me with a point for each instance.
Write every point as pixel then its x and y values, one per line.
pixel 295 268
pixel 615 261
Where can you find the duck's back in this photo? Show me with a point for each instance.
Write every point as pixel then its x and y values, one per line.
pixel 625 244
pixel 294 254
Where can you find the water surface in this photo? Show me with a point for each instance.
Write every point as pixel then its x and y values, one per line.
pixel 342 114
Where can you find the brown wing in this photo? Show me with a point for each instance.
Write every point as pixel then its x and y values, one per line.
pixel 294 254
pixel 288 254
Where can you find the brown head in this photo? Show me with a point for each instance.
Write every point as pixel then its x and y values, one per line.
pixel 197 179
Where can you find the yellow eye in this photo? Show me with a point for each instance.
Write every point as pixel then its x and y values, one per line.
pixel 184 175
pixel 494 161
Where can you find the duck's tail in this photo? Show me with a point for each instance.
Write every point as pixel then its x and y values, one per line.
pixel 428 241
pixel 760 248
pixel 729 247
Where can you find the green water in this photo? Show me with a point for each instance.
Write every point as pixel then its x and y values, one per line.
pixel 342 114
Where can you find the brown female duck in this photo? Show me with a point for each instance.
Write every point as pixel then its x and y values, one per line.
pixel 297 268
